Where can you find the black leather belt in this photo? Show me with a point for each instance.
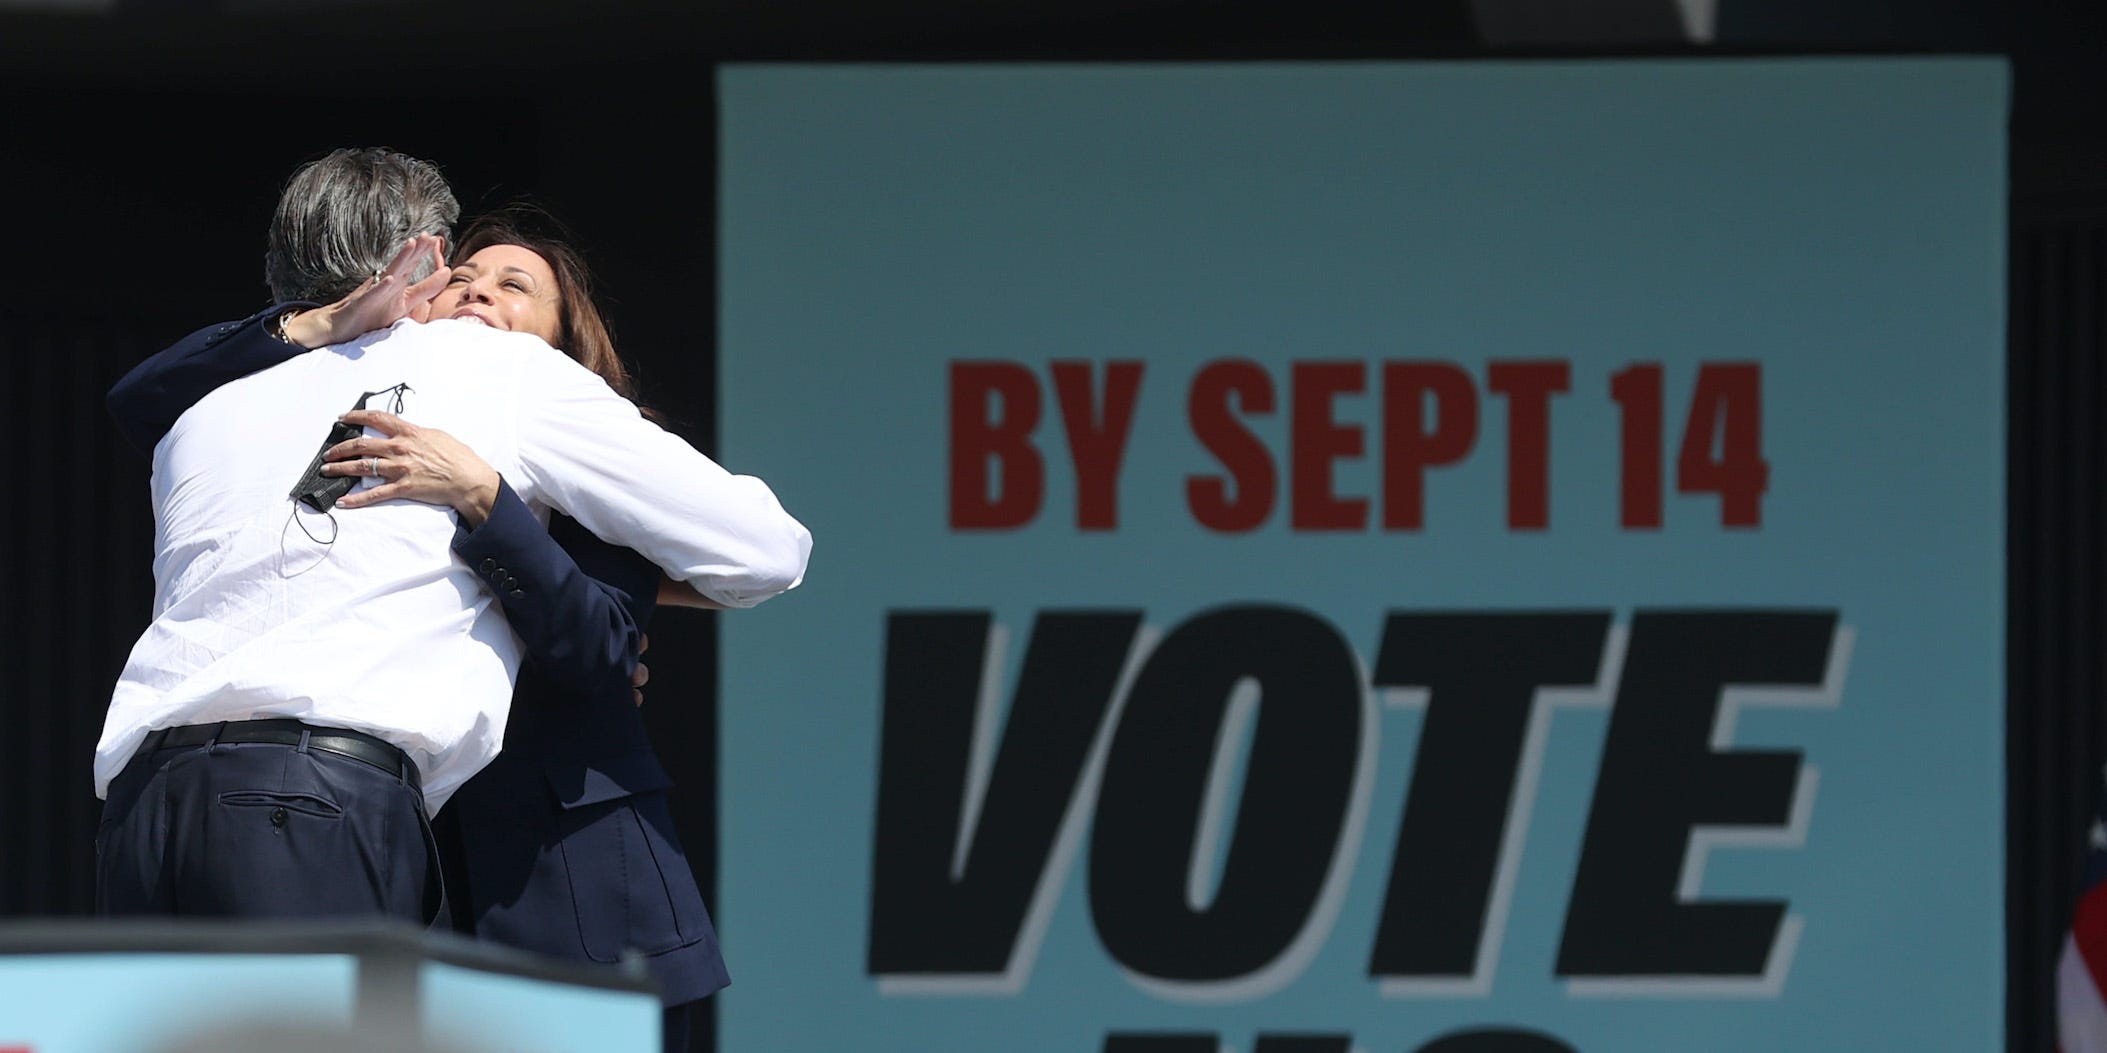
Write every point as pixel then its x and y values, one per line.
pixel 341 741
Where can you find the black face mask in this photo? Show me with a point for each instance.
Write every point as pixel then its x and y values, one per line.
pixel 320 492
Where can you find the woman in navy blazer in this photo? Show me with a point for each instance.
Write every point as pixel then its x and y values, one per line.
pixel 564 845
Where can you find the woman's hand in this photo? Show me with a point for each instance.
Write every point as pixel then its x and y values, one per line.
pixel 421 464
pixel 383 300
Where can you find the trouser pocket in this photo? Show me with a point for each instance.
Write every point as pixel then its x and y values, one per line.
pixel 267 830
pixel 304 803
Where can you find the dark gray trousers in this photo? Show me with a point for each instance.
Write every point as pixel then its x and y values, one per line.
pixel 263 830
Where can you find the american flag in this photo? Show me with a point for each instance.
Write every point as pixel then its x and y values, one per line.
pixel 2081 974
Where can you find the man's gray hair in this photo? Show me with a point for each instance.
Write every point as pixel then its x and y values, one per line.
pixel 343 218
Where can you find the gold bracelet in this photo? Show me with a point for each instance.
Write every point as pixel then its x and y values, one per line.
pixel 277 327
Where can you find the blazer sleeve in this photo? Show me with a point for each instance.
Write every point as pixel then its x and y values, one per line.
pixel 579 606
pixel 146 403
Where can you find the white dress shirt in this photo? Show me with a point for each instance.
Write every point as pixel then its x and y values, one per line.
pixel 365 618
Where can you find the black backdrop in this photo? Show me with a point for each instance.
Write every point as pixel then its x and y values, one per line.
pixel 143 149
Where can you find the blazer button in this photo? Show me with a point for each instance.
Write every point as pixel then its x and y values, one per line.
pixel 512 584
pixel 489 565
pixel 516 594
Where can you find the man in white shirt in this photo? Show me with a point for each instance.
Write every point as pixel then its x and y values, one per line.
pixel 316 682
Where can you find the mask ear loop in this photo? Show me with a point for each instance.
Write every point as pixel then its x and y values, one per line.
pixel 394 404
pixel 294 517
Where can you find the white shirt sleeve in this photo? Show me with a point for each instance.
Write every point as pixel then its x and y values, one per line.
pixel 587 452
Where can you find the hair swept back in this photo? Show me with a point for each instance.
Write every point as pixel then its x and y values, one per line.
pixel 343 217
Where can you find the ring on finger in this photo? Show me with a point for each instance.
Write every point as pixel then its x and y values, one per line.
pixel 373 467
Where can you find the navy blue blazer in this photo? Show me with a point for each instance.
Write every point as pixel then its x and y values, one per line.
pixel 567 845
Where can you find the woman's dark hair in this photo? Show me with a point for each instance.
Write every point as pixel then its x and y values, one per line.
pixel 582 334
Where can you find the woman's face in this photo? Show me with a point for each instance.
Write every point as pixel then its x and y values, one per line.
pixel 504 287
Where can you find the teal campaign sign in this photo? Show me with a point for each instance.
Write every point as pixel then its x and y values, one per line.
pixel 1489 557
